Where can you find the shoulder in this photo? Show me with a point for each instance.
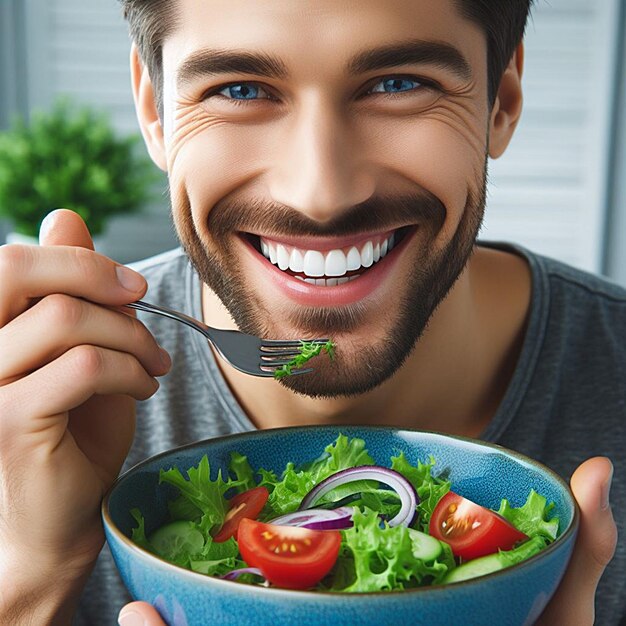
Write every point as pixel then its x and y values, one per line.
pixel 586 305
pixel 581 284
pixel 573 313
pixel 559 281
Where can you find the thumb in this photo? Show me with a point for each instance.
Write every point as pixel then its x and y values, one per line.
pixel 591 484
pixel 139 614
pixel 574 600
pixel 64 228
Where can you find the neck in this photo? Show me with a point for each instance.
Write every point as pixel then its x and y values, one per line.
pixel 453 381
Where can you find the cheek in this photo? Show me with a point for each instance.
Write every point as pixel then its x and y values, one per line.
pixel 437 153
pixel 208 159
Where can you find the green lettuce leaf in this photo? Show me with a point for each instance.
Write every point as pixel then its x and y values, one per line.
pixel 522 552
pixel 205 494
pixel 533 517
pixel 217 559
pixel 339 455
pixel 239 466
pixel 138 535
pixel 372 558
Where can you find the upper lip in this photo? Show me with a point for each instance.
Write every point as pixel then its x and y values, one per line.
pixel 326 243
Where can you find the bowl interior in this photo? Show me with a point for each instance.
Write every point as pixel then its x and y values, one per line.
pixel 482 472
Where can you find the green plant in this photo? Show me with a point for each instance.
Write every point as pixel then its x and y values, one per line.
pixel 70 157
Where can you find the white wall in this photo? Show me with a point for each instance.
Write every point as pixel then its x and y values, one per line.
pixel 548 192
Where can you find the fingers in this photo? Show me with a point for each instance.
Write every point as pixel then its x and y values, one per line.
pixel 32 272
pixel 574 601
pixel 66 383
pixel 58 323
pixel 139 614
pixel 65 228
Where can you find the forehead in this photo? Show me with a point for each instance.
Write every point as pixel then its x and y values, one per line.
pixel 316 35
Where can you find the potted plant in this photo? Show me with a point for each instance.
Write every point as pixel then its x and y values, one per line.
pixel 69 157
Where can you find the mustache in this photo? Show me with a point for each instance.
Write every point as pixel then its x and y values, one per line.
pixel 377 213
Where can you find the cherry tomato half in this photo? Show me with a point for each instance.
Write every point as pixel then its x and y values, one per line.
pixel 288 556
pixel 471 530
pixel 247 504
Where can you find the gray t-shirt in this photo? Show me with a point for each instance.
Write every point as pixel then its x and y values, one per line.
pixel 565 403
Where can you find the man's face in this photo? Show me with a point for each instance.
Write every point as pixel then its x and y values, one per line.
pixel 346 141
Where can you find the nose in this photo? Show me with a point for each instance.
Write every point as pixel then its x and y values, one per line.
pixel 318 167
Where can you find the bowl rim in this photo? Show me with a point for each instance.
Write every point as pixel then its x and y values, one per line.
pixel 571 529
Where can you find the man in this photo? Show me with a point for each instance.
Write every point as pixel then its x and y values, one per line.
pixel 308 131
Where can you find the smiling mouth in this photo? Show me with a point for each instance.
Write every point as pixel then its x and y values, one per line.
pixel 328 267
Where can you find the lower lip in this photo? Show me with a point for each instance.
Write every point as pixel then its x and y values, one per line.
pixel 311 295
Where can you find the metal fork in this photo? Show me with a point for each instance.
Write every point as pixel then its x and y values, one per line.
pixel 247 353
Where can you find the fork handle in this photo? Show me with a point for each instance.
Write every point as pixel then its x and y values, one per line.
pixel 141 305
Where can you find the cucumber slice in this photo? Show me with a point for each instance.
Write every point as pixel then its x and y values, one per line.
pixel 177 538
pixel 477 567
pixel 425 547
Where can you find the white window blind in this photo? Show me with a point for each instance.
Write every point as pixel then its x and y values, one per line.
pixel 547 192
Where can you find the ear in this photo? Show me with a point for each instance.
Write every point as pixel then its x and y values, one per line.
pixel 507 108
pixel 147 112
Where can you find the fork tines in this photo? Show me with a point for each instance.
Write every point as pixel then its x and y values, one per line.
pixel 273 344
pixel 275 353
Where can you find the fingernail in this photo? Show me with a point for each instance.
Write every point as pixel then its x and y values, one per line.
pixel 606 489
pixel 129 279
pixel 46 224
pixel 132 618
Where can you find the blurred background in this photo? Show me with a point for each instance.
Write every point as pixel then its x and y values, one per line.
pixel 560 189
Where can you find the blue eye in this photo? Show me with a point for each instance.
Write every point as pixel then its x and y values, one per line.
pixel 395 85
pixel 244 91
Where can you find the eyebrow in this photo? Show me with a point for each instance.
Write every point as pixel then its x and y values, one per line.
pixel 435 53
pixel 211 62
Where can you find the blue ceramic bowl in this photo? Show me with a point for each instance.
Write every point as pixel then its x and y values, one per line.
pixel 482 472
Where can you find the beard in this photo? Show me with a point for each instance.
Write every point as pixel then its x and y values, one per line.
pixel 360 363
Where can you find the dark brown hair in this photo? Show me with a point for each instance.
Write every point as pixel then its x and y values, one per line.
pixel 503 23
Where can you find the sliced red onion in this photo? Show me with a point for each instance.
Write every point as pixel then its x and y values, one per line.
pixel 405 490
pixel 244 570
pixel 318 519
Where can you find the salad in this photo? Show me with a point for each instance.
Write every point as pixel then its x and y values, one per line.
pixel 340 523
pixel 307 350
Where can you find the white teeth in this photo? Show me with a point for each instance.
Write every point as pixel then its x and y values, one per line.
pixel 367 254
pixel 353 259
pixel 314 263
pixel 296 261
pixel 329 267
pixel 282 256
pixel 335 264
pixel 327 282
